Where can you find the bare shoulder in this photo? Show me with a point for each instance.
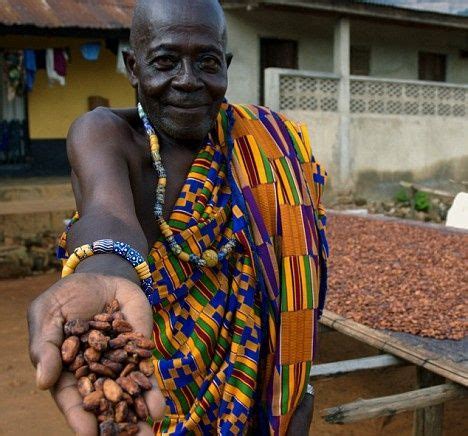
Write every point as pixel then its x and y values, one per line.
pixel 100 131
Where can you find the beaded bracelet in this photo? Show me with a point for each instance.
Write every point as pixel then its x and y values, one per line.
pixel 106 246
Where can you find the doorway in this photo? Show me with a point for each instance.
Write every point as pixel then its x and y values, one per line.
pixel 279 53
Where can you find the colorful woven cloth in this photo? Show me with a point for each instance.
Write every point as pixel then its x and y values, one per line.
pixel 234 343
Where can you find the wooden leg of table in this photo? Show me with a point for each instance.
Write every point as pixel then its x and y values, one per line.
pixel 428 421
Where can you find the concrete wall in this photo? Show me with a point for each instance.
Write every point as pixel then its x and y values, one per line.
pixel 386 149
pixel 315 46
pixel 394 49
pixel 53 109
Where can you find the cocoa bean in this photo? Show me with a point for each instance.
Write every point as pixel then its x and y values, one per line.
pixel 84 338
pixel 118 315
pixel 107 415
pixel 121 411
pixel 108 428
pixel 131 336
pixel 121 326
pixel 100 325
pixel 127 398
pixel 117 404
pixel 141 380
pixel 92 401
pixel 92 377
pixel 128 385
pixel 104 405
pixel 112 391
pixel 116 367
pixel 92 355
pixel 70 348
pixel 100 369
pixel 98 383
pixel 146 367
pixel 82 372
pixel 103 317
pixel 112 307
pixel 76 327
pixel 141 409
pixel 118 342
pixel 131 348
pixel 85 387
pixel 77 363
pixel 128 429
pixel 128 369
pixel 146 343
pixel 118 355
pixel 132 417
pixel 133 358
pixel 97 340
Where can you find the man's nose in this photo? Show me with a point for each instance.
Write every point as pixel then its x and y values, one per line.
pixel 187 79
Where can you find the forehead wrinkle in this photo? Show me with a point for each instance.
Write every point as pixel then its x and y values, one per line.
pixel 178 35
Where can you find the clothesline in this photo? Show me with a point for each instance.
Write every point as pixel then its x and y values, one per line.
pixel 20 66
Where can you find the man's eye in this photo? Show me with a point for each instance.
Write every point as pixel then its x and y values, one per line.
pixel 165 62
pixel 210 64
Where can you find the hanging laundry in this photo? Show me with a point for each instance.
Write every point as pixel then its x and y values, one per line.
pixel 13 73
pixel 30 68
pixel 90 51
pixel 60 61
pixel 52 75
pixel 123 46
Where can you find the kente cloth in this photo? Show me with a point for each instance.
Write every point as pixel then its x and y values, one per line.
pixel 235 342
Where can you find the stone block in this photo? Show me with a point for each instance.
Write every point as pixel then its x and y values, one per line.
pixel 457 216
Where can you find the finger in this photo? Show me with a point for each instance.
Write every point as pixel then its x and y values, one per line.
pixel 155 401
pixel 135 306
pixel 46 335
pixel 69 401
pixel 49 365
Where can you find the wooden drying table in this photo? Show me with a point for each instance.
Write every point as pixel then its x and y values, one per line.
pixel 442 368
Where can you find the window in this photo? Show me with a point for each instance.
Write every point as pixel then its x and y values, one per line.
pixel 360 61
pixel 279 53
pixel 432 66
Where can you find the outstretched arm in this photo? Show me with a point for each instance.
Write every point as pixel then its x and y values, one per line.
pixel 98 148
pixel 105 201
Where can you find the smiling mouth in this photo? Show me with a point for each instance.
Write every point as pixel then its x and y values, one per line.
pixel 188 108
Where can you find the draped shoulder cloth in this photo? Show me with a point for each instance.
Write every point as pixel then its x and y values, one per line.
pixel 235 342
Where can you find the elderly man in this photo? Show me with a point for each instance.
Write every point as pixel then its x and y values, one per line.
pixel 223 201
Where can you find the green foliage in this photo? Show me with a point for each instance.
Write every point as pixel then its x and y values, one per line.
pixel 422 202
pixel 402 196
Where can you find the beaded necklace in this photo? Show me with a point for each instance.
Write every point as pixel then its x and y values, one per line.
pixel 209 257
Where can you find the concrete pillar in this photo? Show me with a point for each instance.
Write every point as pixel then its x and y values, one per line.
pixel 341 50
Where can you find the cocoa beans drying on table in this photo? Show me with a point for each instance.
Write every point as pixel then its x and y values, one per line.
pixel 112 365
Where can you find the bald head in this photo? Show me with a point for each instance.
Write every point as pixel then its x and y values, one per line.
pixel 178 64
pixel 158 14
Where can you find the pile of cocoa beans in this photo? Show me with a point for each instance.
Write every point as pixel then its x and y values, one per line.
pixel 112 365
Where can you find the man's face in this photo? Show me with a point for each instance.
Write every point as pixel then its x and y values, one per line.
pixel 180 71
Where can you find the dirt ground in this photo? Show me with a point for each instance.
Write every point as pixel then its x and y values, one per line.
pixel 26 411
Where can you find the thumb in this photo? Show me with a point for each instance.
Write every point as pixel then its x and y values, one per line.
pixel 45 336
pixel 135 307
pixel 49 365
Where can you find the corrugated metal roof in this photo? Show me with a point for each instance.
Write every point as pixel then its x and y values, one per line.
pixel 442 7
pixel 94 14
pixel 117 14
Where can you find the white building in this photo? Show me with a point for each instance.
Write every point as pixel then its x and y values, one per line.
pixel 383 89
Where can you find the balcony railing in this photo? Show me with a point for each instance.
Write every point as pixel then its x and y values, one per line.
pixel 309 91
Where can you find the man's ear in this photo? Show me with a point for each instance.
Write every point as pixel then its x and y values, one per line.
pixel 228 59
pixel 130 65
